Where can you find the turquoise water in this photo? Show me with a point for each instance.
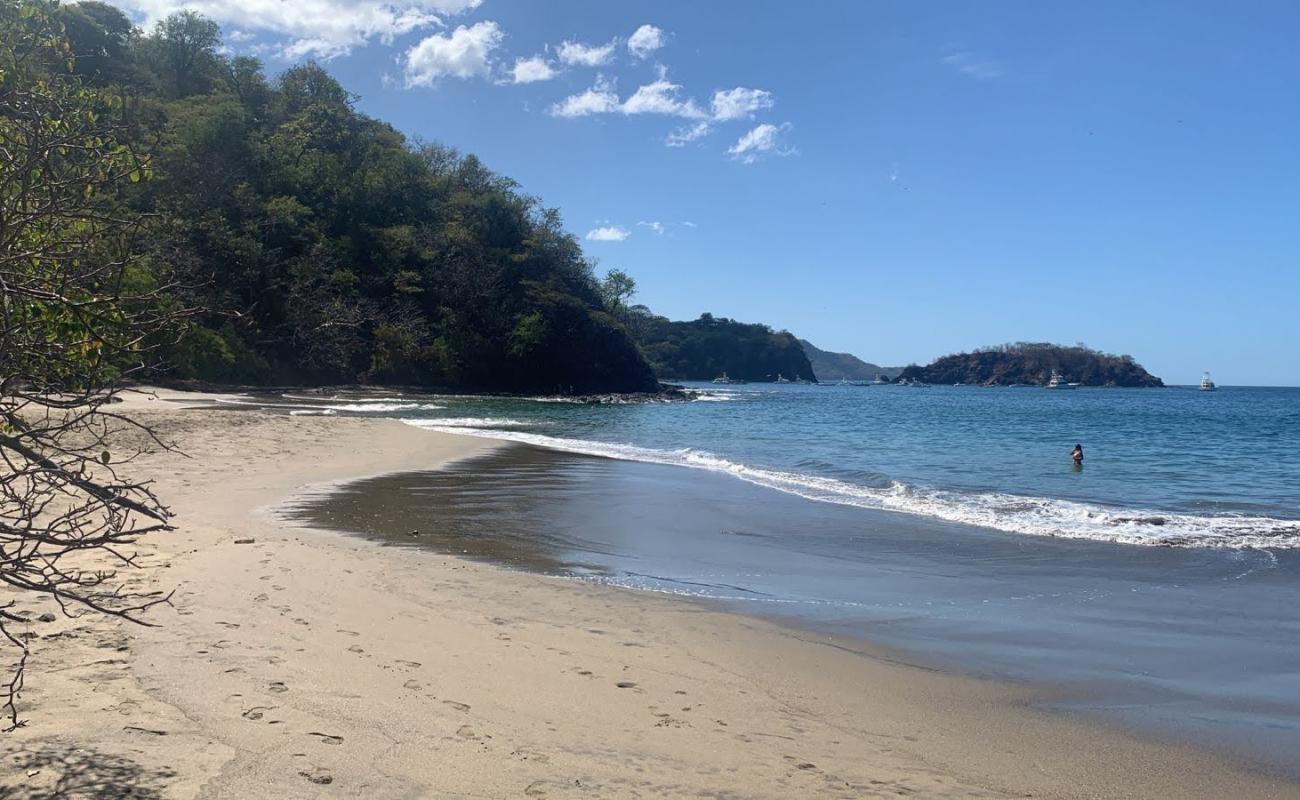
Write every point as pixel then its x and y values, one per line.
pixel 1163 467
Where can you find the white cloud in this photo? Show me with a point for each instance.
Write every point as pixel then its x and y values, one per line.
pixel 464 53
pixel 645 41
pixel 763 140
pixel 586 55
pixel 655 227
pixel 661 97
pixel 530 70
pixel 599 99
pixel 687 134
pixel 690 224
pixel 608 233
pixel 973 66
pixel 740 103
pixel 319 28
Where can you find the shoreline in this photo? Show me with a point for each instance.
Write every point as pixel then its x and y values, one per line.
pixel 310 655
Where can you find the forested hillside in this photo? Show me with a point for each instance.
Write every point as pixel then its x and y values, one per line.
pixel 321 245
pixel 707 347
pixel 1034 363
pixel 843 366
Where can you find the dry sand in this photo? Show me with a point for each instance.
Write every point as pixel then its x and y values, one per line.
pixel 311 664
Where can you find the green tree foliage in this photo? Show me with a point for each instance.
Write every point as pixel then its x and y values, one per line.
pixel 1033 363
pixel 328 248
pixel 710 346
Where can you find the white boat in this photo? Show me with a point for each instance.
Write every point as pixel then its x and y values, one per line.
pixel 1058 382
pixel 723 378
pixel 1207 385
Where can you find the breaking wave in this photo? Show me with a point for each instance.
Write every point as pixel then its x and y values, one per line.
pixel 1031 516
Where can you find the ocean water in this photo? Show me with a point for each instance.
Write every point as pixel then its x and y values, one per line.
pixel 1172 467
pixel 1157 586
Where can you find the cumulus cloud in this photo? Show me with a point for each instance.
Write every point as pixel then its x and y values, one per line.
pixel 763 140
pixel 655 227
pixel 662 97
pixel 687 134
pixel 973 66
pixel 645 40
pixel 586 55
pixel 464 53
pixel 599 99
pixel 608 233
pixel 318 28
pixel 740 103
pixel 531 70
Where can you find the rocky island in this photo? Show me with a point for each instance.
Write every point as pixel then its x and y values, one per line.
pixel 1033 363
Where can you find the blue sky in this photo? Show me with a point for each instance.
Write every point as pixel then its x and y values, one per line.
pixel 895 179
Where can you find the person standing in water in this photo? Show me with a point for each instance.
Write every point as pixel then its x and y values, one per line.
pixel 1077 455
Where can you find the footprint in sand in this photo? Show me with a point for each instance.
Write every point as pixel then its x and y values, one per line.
pixel 256 712
pixel 356 648
pixel 230 625
pixel 278 687
pixel 349 633
pixel 466 732
pixel 318 777
pixel 456 705
pixel 327 738
pixel 405 663
pixel 412 685
pixel 261 598
pixel 626 685
pixel 301 621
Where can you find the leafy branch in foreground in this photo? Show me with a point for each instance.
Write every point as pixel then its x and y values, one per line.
pixel 78 315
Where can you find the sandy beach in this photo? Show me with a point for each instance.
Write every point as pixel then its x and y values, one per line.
pixel 312 664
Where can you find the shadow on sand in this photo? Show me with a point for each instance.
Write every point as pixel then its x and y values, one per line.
pixel 58 771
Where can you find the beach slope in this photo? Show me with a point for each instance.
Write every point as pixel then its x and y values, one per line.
pixel 305 663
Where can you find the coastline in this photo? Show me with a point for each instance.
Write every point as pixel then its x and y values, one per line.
pixel 308 655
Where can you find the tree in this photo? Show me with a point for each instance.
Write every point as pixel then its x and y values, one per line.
pixel 185 46
pixel 78 315
pixel 617 288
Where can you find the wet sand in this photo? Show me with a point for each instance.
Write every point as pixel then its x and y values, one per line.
pixel 310 664
pixel 1189 643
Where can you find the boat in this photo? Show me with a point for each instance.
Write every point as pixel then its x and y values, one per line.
pixel 782 379
pixel 724 378
pixel 1207 385
pixel 1058 382
pixel 880 380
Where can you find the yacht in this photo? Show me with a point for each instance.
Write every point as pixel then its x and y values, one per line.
pixel 723 378
pixel 1058 382
pixel 1207 385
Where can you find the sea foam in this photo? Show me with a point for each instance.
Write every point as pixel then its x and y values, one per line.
pixel 1032 516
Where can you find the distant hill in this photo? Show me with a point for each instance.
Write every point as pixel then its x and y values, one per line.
pixel 703 349
pixel 843 366
pixel 1033 363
